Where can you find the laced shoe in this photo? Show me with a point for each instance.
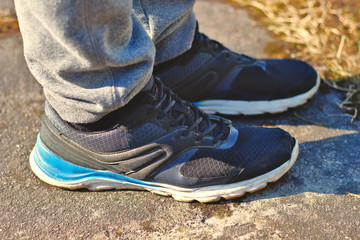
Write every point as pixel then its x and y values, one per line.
pixel 160 143
pixel 218 80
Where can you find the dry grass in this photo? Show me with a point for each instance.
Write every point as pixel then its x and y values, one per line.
pixel 8 25
pixel 325 33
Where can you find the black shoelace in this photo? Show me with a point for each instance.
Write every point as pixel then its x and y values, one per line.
pixel 187 114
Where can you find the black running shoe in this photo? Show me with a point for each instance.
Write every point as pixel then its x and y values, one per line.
pixel 163 144
pixel 221 81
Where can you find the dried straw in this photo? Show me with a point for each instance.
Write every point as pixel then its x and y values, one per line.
pixel 316 31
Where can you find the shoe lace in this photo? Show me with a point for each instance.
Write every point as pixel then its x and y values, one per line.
pixel 187 114
pixel 215 45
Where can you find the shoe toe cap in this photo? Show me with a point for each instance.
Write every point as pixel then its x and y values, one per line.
pixel 275 79
pixel 302 77
pixel 270 161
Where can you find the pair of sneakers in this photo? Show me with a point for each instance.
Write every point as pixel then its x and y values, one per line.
pixel 161 143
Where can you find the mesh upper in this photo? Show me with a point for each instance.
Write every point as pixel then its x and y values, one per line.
pixel 180 72
pixel 283 78
pixel 252 143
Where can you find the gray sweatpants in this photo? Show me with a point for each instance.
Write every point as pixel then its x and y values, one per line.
pixel 93 56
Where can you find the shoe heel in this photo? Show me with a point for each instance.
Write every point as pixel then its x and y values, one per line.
pixel 57 172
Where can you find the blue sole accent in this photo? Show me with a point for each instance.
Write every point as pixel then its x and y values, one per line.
pixel 64 172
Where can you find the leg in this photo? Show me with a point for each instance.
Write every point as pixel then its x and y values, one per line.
pixel 91 59
pixel 170 24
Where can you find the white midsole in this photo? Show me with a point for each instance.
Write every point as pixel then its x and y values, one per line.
pixel 235 107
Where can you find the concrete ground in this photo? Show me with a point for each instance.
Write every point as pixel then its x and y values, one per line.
pixel 317 199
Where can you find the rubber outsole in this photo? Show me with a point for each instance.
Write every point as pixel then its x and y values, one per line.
pixel 57 172
pixel 229 107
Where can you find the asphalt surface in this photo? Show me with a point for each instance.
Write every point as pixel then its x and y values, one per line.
pixel 317 199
